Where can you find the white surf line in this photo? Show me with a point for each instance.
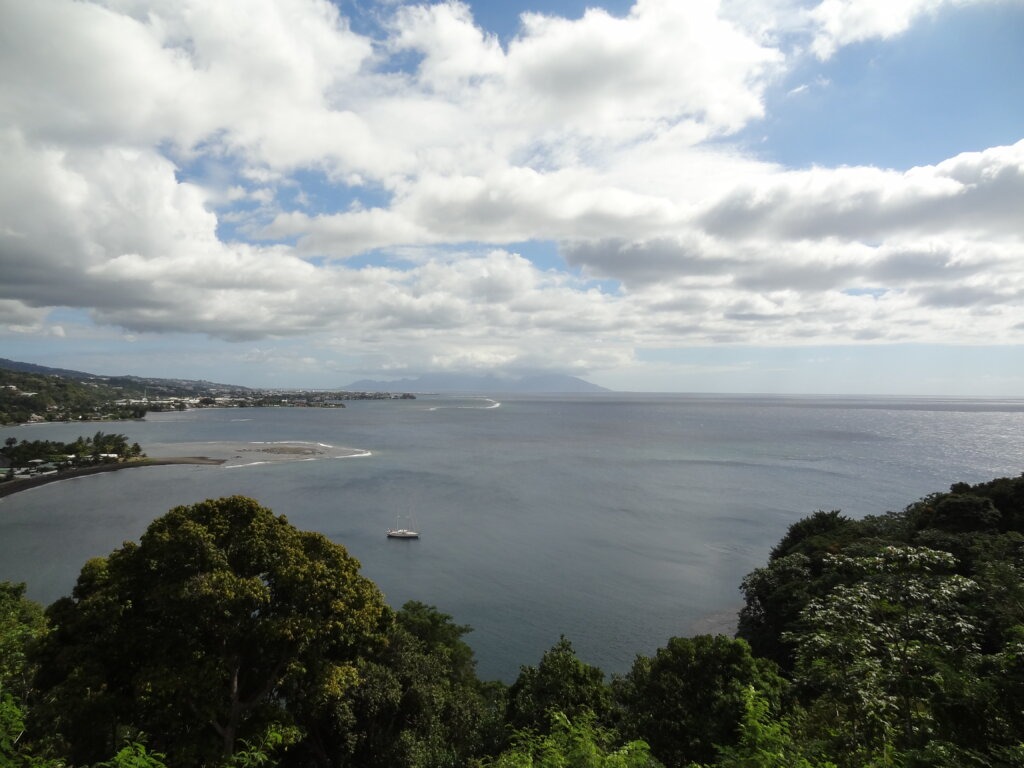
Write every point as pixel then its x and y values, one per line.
pixel 289 442
pixel 360 455
pixel 493 404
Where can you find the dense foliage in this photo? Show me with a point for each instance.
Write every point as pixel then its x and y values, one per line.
pixel 903 633
pixel 82 449
pixel 222 622
pixel 691 696
pixel 226 637
pixel 560 682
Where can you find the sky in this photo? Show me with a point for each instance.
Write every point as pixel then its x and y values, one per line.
pixel 774 196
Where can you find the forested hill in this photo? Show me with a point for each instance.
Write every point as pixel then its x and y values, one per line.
pixel 30 392
pixel 226 637
pixel 26 397
pixel 127 384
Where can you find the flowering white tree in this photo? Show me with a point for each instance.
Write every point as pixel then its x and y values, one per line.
pixel 875 652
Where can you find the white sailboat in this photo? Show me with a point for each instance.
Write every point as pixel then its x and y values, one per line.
pixel 402 533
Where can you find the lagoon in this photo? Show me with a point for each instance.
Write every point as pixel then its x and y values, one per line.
pixel 616 520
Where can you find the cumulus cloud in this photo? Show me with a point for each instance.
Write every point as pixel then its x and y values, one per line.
pixel 977 192
pixel 663 62
pixel 836 23
pixel 826 26
pixel 849 254
pixel 456 53
pixel 154 163
pixel 508 204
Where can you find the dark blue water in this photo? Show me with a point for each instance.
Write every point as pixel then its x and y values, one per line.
pixel 616 520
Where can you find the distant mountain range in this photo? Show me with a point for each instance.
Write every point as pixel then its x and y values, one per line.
pixel 551 383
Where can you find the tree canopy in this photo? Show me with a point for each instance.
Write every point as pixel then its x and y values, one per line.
pixel 690 697
pixel 206 633
pixel 561 682
pixel 226 638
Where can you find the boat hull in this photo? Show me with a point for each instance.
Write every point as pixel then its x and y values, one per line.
pixel 402 533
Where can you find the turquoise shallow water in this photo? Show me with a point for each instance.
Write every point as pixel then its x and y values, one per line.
pixel 617 520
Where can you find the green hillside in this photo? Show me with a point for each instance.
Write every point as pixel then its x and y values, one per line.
pixel 26 397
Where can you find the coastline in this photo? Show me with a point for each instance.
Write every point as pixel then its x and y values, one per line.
pixel 13 486
pixel 230 455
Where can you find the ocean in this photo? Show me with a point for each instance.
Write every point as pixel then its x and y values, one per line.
pixel 616 520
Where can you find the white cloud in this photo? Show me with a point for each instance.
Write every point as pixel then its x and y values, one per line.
pixel 843 254
pixel 592 132
pixel 456 53
pixel 825 26
pixel 978 192
pixel 505 205
pixel 664 62
pixel 836 23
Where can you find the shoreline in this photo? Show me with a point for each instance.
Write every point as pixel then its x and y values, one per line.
pixel 229 455
pixel 13 486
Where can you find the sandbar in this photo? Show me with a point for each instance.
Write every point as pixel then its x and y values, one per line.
pixel 234 454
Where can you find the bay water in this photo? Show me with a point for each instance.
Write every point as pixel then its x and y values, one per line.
pixel 617 520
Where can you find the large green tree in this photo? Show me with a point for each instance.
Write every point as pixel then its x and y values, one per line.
pixel 418 703
pixel 559 683
pixel 223 621
pixel 691 696
pixel 904 629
